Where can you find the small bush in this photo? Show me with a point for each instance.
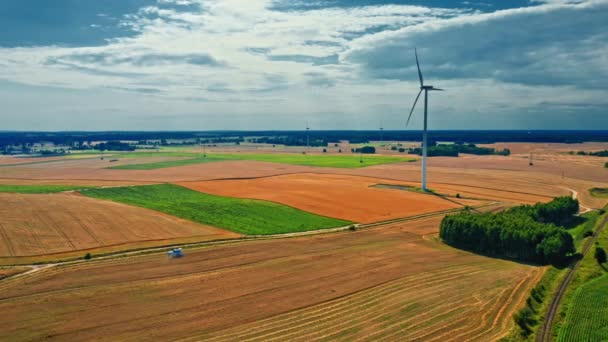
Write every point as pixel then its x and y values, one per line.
pixel 324 150
pixel 600 255
pixel 88 256
pixel 457 195
pixel 352 227
pixel 401 150
pixel 525 320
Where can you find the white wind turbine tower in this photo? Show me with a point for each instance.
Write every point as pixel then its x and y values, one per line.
pixel 426 89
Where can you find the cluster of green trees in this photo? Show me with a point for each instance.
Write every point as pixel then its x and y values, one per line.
pixel 364 150
pixel 561 211
pixel 603 153
pixel 114 146
pixel 527 233
pixel 453 150
pixel 292 140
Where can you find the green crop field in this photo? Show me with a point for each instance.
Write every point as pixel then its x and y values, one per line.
pixel 588 319
pixel 339 161
pixel 40 189
pixel 238 215
pixel 599 192
pixel 588 271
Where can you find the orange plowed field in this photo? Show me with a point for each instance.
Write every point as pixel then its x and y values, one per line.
pixel 33 225
pixel 380 284
pixel 345 197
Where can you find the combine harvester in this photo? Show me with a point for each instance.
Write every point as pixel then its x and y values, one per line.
pixel 175 253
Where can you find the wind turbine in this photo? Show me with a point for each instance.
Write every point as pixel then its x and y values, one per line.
pixel 307 137
pixel 426 89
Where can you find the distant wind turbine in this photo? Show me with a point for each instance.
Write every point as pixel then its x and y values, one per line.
pixel 307 137
pixel 426 89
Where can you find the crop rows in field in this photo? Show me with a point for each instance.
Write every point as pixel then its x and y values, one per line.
pixel 587 320
pixel 44 224
pixel 434 306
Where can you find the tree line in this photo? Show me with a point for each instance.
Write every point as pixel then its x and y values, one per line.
pixel 453 150
pixel 603 153
pixel 528 233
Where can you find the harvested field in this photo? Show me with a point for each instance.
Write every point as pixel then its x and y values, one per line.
pixel 69 182
pixel 529 185
pixel 6 272
pixel 383 283
pixel 39 189
pixel 7 161
pixel 55 224
pixel 525 148
pixel 346 197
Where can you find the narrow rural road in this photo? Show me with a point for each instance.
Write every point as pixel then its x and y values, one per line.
pixel 575 196
pixel 544 335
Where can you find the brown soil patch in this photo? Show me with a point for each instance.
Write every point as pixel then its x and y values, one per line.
pixel 33 225
pixel 365 285
pixel 345 197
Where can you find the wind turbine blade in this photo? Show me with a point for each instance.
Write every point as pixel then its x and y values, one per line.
pixel 438 89
pixel 419 72
pixel 413 107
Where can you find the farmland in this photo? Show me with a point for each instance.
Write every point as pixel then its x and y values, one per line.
pixel 306 288
pixel 238 215
pixel 51 226
pixel 346 197
pixel 584 277
pixel 318 160
pixel 599 192
pixel 390 278
pixel 39 189
pixel 587 320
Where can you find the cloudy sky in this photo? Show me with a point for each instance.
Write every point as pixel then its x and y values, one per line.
pixel 277 64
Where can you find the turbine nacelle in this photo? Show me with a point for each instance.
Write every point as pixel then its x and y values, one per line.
pixel 431 88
